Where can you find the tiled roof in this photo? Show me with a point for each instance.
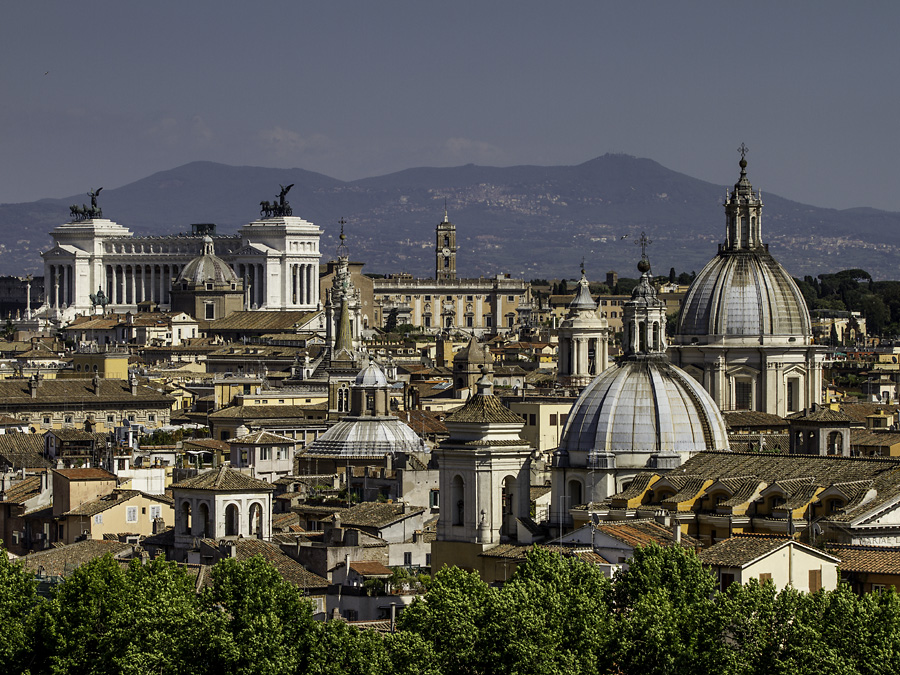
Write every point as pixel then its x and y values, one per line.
pixel 208 443
pixel 85 474
pixel 72 434
pixel 9 421
pixel 224 479
pixel 741 551
pixel 422 421
pixel 370 568
pixel 643 533
pixel 115 498
pixel 62 561
pixel 375 514
pixel 866 559
pixel 261 321
pixel 76 392
pixel 290 569
pixel 821 414
pixel 878 439
pixel 253 412
pixel 859 411
pixel 519 552
pixel 538 491
pixel 752 418
pixel 483 409
pixel 23 451
pixel 262 438
pixel 22 491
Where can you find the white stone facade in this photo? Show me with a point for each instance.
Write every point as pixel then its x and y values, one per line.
pixel 278 258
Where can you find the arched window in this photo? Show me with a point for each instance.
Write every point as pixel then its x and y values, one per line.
pixel 574 489
pixel 204 521
pixel 642 337
pixel 256 526
pixel 656 336
pixel 835 443
pixel 232 521
pixel 185 518
pixel 458 500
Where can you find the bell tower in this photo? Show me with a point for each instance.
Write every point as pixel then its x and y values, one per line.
pixel 445 249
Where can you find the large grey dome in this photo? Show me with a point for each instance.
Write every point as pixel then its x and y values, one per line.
pixel 643 407
pixel 207 268
pixel 744 293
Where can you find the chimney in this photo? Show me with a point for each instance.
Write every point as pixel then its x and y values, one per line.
pixel 134 385
pixel 33 385
pixel 346 569
pixel 159 525
pixel 95 382
pixel 676 530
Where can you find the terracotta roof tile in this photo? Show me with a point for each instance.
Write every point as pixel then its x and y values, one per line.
pixel 867 559
pixel 62 561
pixel 484 409
pixel 85 474
pixel 224 479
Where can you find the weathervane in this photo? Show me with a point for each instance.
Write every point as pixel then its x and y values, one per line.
pixel 643 242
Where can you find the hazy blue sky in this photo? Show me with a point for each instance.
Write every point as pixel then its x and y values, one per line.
pixel 104 93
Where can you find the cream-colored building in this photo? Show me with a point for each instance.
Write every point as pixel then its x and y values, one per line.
pixel 479 306
pixel 118 513
pixel 544 417
pixel 784 562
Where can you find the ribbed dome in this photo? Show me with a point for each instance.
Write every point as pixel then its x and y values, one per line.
pixel 644 406
pixel 371 376
pixel 207 267
pixel 744 293
pixel 366 437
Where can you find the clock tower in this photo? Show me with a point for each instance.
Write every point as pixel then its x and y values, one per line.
pixel 445 250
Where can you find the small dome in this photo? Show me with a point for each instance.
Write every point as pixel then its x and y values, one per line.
pixel 744 293
pixel 207 267
pixel 371 376
pixel 643 407
pixel 366 437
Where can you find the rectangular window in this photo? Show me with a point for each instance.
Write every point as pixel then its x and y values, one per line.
pixel 511 298
pixel 532 419
pixel 428 559
pixel 407 558
pixel 743 395
pixel 98 519
pixel 110 419
pixel 764 577
pixel 155 512
pixel 131 418
pixel 553 420
pixel 210 311
pixel 563 419
pixel 69 419
pixel 46 419
pixel 151 417
pixel 727 580
pixel 792 395
pixel 264 453
pixel 434 499
pixel 488 321
pixel 131 514
pixel 815 580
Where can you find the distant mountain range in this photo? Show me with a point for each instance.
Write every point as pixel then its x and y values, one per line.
pixel 529 221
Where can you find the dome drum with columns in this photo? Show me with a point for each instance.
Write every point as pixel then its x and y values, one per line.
pixel 643 412
pixel 744 330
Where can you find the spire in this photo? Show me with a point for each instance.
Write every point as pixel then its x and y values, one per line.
pixel 446 215
pixel 583 298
